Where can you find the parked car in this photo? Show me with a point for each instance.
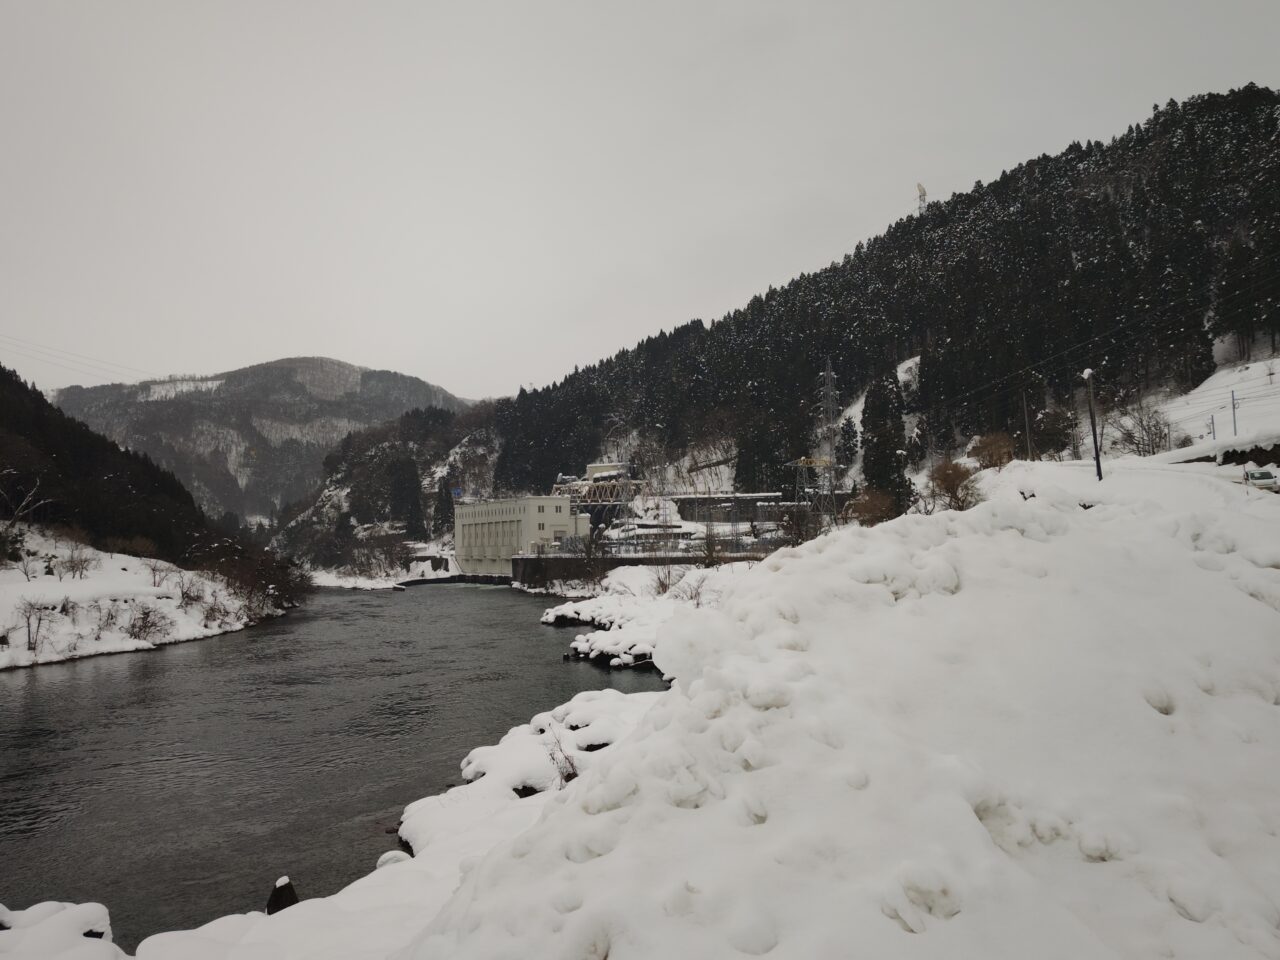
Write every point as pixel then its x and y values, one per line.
pixel 1262 479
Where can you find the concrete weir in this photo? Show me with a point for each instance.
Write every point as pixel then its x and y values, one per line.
pixel 488 579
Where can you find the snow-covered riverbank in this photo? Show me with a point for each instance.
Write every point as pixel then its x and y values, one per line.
pixel 631 605
pixel 1043 727
pixel 63 601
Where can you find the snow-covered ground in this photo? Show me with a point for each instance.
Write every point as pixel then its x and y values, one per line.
pixel 50 612
pixel 1256 386
pixel 1045 727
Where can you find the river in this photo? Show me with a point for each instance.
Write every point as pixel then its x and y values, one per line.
pixel 175 786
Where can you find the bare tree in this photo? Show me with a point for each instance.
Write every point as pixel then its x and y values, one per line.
pixel 1140 429
pixel 29 566
pixel 35 616
pixel 19 508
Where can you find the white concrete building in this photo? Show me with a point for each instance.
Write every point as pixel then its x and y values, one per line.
pixel 488 533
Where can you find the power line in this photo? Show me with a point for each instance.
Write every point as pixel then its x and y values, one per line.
pixel 71 353
pixel 82 371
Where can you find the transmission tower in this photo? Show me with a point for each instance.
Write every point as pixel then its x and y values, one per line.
pixel 924 198
pixel 821 497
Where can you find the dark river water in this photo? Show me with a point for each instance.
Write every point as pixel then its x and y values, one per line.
pixel 175 786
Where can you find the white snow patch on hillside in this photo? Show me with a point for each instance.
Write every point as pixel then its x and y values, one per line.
pixel 321 431
pixel 168 389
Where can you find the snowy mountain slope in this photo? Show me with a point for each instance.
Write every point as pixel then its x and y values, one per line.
pixel 1046 727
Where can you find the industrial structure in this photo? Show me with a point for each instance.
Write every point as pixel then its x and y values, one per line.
pixel 488 533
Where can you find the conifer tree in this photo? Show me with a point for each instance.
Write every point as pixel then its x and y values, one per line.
pixel 884 440
pixel 442 513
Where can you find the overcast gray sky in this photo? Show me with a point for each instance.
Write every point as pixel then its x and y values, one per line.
pixel 486 194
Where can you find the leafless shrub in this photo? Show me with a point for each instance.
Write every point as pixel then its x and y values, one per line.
pixel 992 450
pixel 159 570
pixel 561 760
pixel 216 612
pixel 691 589
pixel 148 623
pixel 871 507
pixel 78 562
pixel 189 588
pixel 951 486
pixel 106 616
pixel 664 578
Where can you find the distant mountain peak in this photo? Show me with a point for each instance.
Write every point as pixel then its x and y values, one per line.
pixel 249 439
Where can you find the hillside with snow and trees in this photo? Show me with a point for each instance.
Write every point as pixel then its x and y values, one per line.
pixel 102 551
pixel 1147 259
pixel 249 440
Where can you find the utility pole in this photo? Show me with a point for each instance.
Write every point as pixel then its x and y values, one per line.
pixel 1093 425
pixel 1026 422
pixel 1234 405
pixel 1212 429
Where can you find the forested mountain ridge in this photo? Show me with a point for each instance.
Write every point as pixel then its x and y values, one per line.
pixel 251 439
pixel 389 483
pixel 1126 257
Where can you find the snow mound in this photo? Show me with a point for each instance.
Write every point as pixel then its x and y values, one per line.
pixel 634 603
pixel 1045 727
pixel 51 929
